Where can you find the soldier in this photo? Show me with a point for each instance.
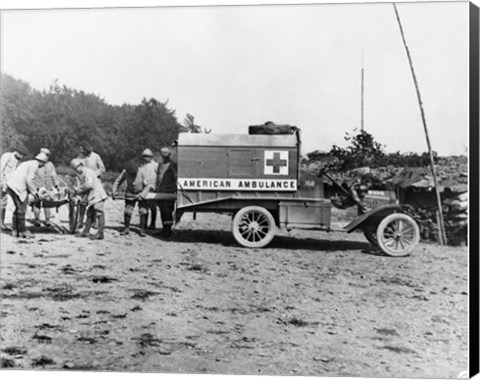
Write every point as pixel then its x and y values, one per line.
pixel 137 188
pixel 19 184
pixel 46 178
pixel 358 188
pixel 95 195
pixel 8 163
pixel 166 183
pixel 149 168
pixel 174 152
pixel 93 161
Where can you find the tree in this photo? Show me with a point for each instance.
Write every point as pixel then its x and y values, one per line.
pixel 16 112
pixel 62 118
pixel 189 126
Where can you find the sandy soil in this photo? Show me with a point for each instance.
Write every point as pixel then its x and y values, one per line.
pixel 312 303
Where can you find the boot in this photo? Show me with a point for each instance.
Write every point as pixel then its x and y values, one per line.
pixel 143 224
pixel 22 229
pixel 126 221
pixel 81 216
pixel 14 225
pixel 166 231
pixel 2 213
pixel 153 211
pixel 36 213
pixel 25 235
pixel 47 218
pixel 101 226
pixel 95 223
pixel 86 229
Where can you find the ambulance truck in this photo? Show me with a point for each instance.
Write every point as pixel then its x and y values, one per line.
pixel 256 178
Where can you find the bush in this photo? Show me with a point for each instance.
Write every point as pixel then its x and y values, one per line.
pixel 362 151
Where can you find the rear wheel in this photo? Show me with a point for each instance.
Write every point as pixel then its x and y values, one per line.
pixel 397 235
pixel 253 227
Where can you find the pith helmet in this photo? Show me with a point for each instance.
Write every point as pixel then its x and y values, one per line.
pixel 42 157
pixel 165 152
pixel 147 153
pixel 75 163
pixel 45 150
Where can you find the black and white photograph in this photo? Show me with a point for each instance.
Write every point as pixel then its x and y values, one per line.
pixel 226 188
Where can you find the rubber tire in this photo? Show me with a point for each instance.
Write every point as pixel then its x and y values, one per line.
pixel 388 220
pixel 251 210
pixel 370 233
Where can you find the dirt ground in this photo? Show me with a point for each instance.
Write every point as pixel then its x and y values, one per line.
pixel 311 303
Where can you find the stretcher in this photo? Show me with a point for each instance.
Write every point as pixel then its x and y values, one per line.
pixel 46 200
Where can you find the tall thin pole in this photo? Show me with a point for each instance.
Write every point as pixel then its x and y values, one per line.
pixel 443 238
pixel 362 123
pixel 362 97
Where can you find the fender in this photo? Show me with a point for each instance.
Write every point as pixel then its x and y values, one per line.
pixel 373 215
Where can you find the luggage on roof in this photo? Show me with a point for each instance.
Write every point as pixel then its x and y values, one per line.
pixel 270 128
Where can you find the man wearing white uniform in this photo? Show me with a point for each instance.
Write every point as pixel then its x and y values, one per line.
pixel 93 161
pixel 95 196
pixel 46 178
pixel 8 163
pixel 149 169
pixel 19 185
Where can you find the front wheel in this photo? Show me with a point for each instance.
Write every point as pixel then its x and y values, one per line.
pixel 397 235
pixel 253 227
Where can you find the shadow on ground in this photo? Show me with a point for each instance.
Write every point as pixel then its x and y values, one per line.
pixel 225 238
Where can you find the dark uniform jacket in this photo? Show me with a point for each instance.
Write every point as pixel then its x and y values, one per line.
pixel 166 177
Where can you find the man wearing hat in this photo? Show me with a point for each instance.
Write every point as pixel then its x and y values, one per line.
pixel 8 163
pixel 149 171
pixel 46 178
pixel 137 188
pixel 358 187
pixel 91 187
pixel 166 183
pixel 19 185
pixel 93 161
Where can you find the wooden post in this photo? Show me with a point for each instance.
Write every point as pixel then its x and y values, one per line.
pixel 362 101
pixel 441 225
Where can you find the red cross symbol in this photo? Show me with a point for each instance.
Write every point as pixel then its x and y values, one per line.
pixel 276 162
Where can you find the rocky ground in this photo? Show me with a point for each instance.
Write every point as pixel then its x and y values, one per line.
pixel 311 303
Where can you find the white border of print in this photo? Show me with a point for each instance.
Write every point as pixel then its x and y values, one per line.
pixel 42 4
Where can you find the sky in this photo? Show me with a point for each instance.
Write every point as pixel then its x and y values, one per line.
pixel 235 66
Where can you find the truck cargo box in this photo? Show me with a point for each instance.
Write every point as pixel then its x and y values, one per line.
pixel 234 163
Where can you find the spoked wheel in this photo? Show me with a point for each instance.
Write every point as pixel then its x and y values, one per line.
pixel 397 235
pixel 253 227
pixel 370 233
